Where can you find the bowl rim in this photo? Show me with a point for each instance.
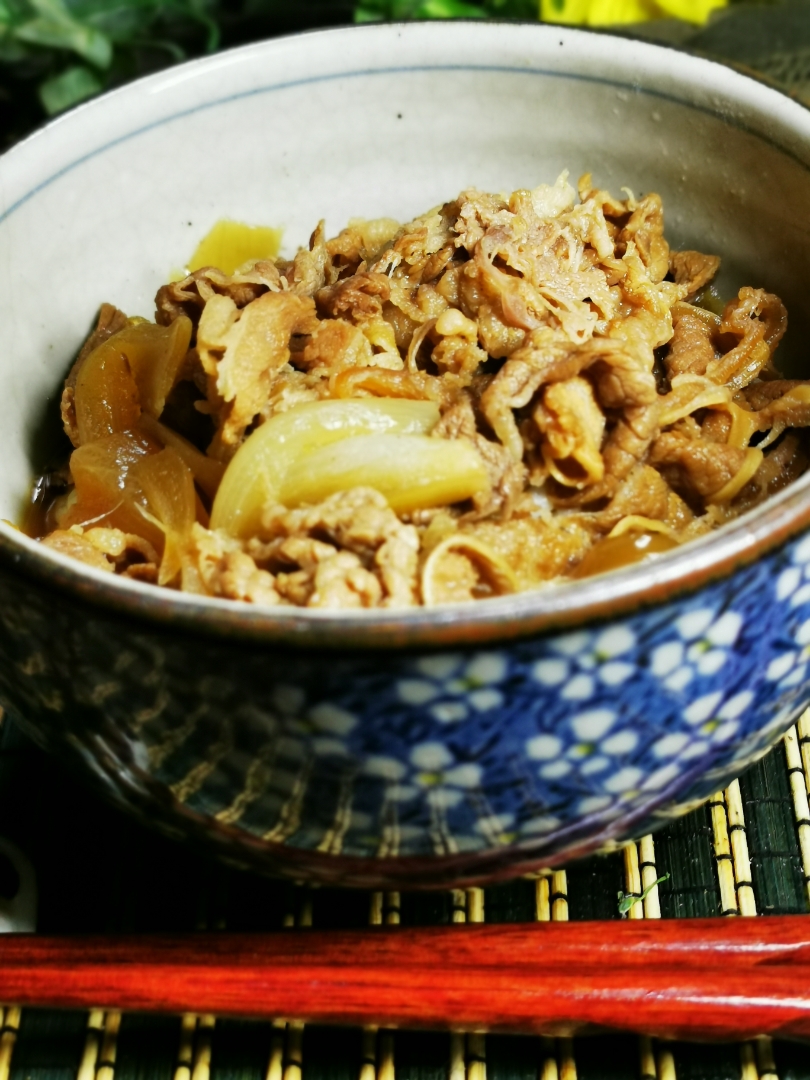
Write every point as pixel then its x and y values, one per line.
pixel 552 608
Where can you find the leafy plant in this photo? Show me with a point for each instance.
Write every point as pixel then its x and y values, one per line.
pixel 77 47
pixel 56 53
pixel 378 10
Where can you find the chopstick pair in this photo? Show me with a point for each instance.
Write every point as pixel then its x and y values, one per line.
pixel 701 979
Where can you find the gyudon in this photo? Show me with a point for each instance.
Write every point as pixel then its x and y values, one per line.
pixel 501 393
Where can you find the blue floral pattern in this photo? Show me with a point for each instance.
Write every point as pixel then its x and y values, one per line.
pixel 480 758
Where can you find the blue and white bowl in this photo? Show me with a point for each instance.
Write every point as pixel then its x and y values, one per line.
pixel 424 747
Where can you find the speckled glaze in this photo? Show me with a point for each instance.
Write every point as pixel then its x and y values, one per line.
pixel 422 747
pixel 427 766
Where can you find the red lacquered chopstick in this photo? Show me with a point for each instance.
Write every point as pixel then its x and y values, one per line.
pixel 693 979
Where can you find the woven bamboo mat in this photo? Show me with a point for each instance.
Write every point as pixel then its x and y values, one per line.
pixel 744 853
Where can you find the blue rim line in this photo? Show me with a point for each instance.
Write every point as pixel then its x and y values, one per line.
pixel 371 72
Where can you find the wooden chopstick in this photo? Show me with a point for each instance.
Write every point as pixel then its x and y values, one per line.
pixel 696 979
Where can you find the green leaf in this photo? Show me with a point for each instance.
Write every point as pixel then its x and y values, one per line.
pixel 627 900
pixel 165 24
pixel 13 10
pixel 514 9
pixel 388 10
pixel 56 28
pixel 69 88
pixel 450 9
pixel 377 10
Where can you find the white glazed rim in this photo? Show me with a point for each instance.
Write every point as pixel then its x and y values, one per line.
pixel 705 85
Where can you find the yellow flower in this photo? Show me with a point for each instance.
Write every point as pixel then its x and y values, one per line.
pixel 610 12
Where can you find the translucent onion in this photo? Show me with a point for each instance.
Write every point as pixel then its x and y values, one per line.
pixel 207 472
pixel 107 399
pixel 624 549
pixel 744 424
pixel 167 488
pixel 104 491
pixel 257 474
pixel 156 355
pixel 413 472
pixel 131 372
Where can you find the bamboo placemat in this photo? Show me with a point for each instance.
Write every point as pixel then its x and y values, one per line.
pixel 744 853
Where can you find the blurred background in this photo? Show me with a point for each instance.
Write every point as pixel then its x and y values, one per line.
pixel 56 53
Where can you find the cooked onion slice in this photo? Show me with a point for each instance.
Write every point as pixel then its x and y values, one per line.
pixel 625 548
pixel 753 460
pixel 464 568
pixel 257 474
pixel 688 394
pixel 103 493
pixel 107 399
pixel 206 471
pixel 638 523
pixel 167 488
pixel 413 472
pixel 130 372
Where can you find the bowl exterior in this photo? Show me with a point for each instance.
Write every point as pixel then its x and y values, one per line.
pixel 428 767
pixel 421 748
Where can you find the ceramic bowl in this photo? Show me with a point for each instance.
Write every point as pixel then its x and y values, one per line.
pixel 425 747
